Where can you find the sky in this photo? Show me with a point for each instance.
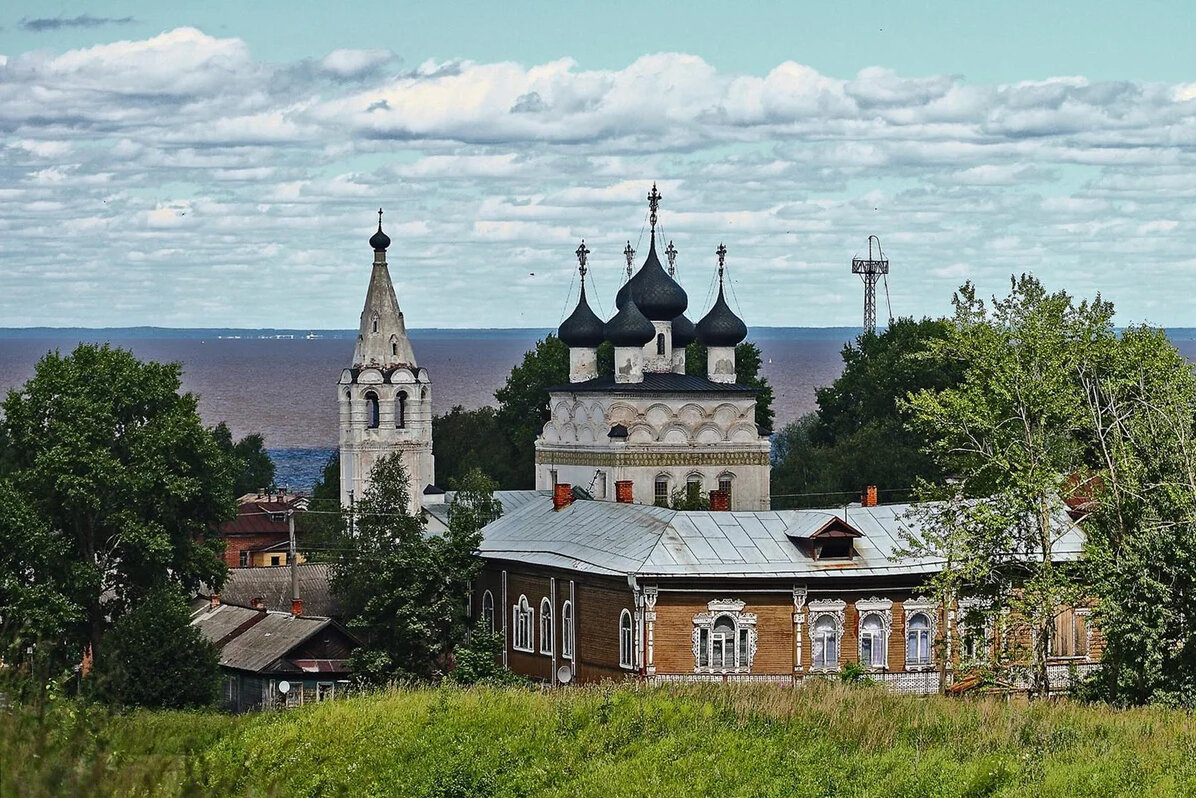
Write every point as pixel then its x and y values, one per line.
pixel 221 163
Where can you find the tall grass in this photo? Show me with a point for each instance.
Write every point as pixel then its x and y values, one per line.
pixel 819 740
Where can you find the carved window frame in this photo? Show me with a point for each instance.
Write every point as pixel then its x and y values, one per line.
pixel 987 633
pixel 881 609
pixel 930 608
pixel 524 626
pixel 836 610
pixel 744 622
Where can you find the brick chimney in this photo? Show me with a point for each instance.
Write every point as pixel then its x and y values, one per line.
pixel 868 497
pixel 623 491
pixel 720 501
pixel 562 495
pixel 296 607
pixel 258 603
pixel 214 600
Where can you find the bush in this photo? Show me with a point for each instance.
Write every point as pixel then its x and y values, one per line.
pixel 156 658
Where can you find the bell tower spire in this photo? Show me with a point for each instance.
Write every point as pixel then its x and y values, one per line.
pixel 385 398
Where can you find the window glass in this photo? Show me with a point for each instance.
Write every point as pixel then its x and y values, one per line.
pixel 825 643
pixel 704 647
pixel 488 611
pixel 546 626
pixel 626 640
pixel 722 650
pixel 872 642
pixel 724 484
pixel 917 640
pixel 662 492
pixel 567 630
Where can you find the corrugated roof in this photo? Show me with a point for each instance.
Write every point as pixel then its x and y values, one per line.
pixel 613 538
pixel 260 644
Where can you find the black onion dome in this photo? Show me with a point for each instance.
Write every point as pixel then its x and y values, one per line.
pixel 379 240
pixel 658 295
pixel 684 332
pixel 623 294
pixel 629 327
pixel 583 328
pixel 721 327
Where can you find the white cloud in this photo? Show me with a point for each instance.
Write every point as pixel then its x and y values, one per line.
pixel 150 180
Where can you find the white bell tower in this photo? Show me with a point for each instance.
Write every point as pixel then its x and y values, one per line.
pixel 385 398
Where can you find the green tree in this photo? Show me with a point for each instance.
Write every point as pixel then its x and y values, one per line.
pixel 1007 430
pixel 156 658
pixel 404 589
pixel 123 479
pixel 747 372
pixel 523 405
pixel 41 583
pixel 463 440
pixel 320 530
pixel 479 659
pixel 860 434
pixel 1141 531
pixel 255 469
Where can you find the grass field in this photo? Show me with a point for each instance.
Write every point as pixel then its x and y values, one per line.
pixel 820 740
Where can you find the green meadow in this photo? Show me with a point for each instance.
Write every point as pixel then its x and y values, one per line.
pixel 818 740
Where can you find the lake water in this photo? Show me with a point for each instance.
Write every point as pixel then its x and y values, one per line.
pixel 286 389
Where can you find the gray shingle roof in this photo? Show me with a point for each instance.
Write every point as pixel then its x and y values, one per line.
pixel 272 636
pixel 273 586
pixel 616 539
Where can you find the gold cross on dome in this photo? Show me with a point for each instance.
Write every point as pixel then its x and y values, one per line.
pixel 671 253
pixel 722 258
pixel 629 253
pixel 379 218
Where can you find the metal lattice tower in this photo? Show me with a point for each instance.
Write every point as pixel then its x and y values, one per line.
pixel 870 270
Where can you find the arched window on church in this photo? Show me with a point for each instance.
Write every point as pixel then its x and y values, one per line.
pixel 371 410
pixel 375 323
pixel 660 343
pixel 401 410
pixel 394 345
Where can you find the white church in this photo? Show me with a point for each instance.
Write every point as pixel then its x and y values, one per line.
pixel 649 429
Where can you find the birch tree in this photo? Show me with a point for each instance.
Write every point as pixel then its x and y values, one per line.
pixel 1010 433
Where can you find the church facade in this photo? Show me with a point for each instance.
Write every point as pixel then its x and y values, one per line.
pixel 649 549
pixel 384 397
pixel 649 427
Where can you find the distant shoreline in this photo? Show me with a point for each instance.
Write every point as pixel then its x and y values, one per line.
pixel 417 333
pixel 271 333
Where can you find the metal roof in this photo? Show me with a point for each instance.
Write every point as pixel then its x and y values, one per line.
pixel 271 638
pixel 511 500
pixel 616 539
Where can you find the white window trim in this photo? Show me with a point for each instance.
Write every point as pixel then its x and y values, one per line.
pixel 519 618
pixel 836 610
pixel 1052 645
pixel 487 595
pixel 567 630
pixel 883 610
pixel 986 640
pixel 546 623
pixel 930 608
pixel 627 650
pixel 743 621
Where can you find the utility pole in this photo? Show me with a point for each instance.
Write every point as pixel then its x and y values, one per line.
pixel 293 559
pixel 871 270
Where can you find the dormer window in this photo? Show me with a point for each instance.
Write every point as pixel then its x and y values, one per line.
pixel 833 541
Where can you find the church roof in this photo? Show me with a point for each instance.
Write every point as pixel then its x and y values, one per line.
pixel 382 334
pixel 658 296
pixel 684 332
pixel 617 539
pixel 629 327
pixel 721 327
pixel 654 382
pixel 583 328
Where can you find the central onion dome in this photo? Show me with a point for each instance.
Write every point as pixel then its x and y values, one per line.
pixel 684 332
pixel 721 327
pixel 583 328
pixel 658 296
pixel 629 327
